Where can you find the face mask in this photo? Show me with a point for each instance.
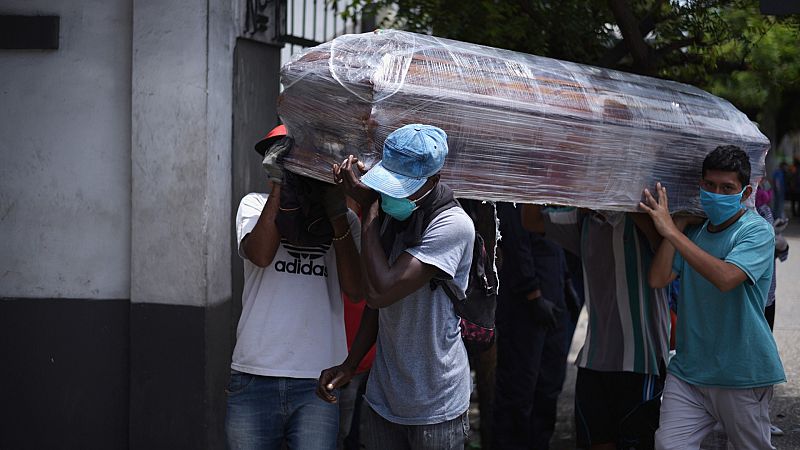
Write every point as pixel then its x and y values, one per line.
pixel 400 208
pixel 720 207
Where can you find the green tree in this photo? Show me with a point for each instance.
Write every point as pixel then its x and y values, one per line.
pixel 724 46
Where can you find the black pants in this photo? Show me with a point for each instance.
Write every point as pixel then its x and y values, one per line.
pixel 794 200
pixel 769 313
pixel 531 366
pixel 617 407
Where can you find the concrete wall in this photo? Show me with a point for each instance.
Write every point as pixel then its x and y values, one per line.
pixel 116 183
pixel 65 145
pixel 181 90
pixel 65 230
pixel 181 187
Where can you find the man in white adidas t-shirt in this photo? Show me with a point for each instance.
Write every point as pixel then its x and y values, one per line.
pixel 292 322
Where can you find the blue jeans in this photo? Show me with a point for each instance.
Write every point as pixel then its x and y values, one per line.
pixel 263 412
pixel 381 434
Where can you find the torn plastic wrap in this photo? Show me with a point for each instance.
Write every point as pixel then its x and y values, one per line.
pixel 521 128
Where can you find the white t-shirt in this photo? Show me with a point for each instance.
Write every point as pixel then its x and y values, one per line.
pixel 292 322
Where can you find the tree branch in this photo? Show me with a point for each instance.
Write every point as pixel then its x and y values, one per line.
pixel 646 26
pixel 676 45
pixel 629 27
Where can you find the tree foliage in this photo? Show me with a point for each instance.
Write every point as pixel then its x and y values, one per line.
pixel 725 46
pixel 758 60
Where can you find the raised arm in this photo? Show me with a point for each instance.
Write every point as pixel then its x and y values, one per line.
pixel 723 275
pixel 347 264
pixel 260 245
pixel 386 283
pixel 383 284
pixel 661 273
pixel 648 228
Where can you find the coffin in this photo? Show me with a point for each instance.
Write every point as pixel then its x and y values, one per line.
pixel 521 128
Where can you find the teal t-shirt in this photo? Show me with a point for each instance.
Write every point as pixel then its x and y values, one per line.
pixel 722 338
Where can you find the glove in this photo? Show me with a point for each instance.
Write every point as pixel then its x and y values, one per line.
pixel 545 312
pixel 273 159
pixel 333 202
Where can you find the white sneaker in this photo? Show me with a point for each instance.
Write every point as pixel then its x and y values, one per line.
pixel 775 431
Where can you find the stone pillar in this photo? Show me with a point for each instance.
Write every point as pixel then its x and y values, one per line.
pixel 180 224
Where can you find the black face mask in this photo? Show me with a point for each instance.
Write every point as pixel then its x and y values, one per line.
pixel 302 219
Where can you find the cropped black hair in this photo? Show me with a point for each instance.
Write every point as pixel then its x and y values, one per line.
pixel 729 158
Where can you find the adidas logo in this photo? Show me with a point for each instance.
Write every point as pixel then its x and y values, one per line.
pixel 304 258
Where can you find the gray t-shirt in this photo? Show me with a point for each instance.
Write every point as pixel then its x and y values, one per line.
pixel 421 372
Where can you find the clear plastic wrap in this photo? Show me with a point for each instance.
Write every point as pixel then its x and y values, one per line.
pixel 521 128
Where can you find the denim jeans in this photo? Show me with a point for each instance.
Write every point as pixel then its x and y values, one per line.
pixel 380 434
pixel 263 412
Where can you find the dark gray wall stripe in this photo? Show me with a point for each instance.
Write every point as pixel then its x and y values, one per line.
pixel 65 373
pixel 109 374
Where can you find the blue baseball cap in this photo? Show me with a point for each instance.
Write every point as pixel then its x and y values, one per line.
pixel 411 154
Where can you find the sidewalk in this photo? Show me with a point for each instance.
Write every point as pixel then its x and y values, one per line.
pixel 785 409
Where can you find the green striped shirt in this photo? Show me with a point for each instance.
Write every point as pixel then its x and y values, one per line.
pixel 628 328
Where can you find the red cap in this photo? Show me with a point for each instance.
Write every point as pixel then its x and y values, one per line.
pixel 264 144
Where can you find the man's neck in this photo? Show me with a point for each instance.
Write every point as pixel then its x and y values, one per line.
pixel 721 227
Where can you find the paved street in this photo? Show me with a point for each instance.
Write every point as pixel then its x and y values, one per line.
pixel 785 409
pixel 786 406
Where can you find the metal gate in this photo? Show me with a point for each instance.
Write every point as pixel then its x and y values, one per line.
pixel 297 24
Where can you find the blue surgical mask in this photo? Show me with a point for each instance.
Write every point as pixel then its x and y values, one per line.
pixel 720 207
pixel 400 208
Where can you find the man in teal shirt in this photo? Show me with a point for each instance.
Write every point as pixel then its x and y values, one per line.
pixel 726 361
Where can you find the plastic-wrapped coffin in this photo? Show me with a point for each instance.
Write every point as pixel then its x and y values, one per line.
pixel 521 128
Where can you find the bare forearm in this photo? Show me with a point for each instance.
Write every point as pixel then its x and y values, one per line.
pixel 646 226
pixel 723 275
pixel 365 338
pixel 387 284
pixel 348 265
pixel 660 274
pixel 376 262
pixel 261 244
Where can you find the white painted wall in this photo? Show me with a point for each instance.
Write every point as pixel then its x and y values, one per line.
pixel 115 172
pixel 181 145
pixel 65 167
